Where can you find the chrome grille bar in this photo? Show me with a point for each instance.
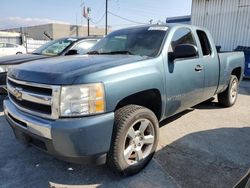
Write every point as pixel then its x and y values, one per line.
pixel 32 97
pixel 18 90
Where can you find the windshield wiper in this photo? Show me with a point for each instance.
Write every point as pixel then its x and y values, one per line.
pixel 93 52
pixel 110 53
pixel 118 52
pixel 36 53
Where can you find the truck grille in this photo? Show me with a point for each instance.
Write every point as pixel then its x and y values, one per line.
pixel 37 99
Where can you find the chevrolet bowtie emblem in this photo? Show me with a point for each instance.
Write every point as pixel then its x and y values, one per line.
pixel 18 93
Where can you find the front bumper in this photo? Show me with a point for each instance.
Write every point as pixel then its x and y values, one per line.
pixel 3 76
pixel 78 140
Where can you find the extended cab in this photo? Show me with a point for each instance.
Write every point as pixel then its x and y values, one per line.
pixel 106 105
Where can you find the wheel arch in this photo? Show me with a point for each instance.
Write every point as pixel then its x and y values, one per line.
pixel 237 72
pixel 150 99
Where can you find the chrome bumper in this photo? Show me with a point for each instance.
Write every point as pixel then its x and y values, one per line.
pixel 34 125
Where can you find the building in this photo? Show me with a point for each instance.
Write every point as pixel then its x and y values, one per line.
pixel 227 20
pixel 10 37
pixel 179 19
pixel 54 31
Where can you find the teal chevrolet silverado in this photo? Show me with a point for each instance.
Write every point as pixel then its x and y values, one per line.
pixel 105 107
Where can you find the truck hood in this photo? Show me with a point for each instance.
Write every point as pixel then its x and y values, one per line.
pixel 21 58
pixel 65 70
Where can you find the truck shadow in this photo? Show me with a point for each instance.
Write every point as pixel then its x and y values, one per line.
pixel 175 117
pixel 211 158
pixel 204 105
pixel 208 105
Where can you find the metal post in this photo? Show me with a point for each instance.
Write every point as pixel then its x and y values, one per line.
pixel 88 26
pixel 106 22
pixel 81 6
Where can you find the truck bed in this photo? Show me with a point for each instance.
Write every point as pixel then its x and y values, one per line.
pixel 228 62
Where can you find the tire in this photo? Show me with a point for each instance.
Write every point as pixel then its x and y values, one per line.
pixel 19 53
pixel 229 96
pixel 127 138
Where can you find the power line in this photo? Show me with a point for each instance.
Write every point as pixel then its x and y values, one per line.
pixel 98 21
pixel 125 18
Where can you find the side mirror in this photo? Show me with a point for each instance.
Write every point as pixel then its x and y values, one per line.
pixel 72 52
pixel 184 51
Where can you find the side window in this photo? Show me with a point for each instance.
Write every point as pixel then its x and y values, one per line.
pixel 8 45
pixel 205 45
pixel 181 36
pixel 83 47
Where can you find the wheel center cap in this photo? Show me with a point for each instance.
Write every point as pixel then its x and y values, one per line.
pixel 137 141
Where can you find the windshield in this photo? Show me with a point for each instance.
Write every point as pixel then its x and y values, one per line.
pixel 143 41
pixel 54 47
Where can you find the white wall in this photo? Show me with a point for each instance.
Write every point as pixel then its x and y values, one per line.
pixel 227 20
pixel 10 37
pixel 34 44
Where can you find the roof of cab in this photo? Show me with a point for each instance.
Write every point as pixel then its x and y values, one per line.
pixel 169 25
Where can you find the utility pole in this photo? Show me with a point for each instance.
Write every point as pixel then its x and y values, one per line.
pixel 88 26
pixel 88 12
pixel 82 14
pixel 106 20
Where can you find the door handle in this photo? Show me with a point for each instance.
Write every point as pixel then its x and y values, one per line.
pixel 198 68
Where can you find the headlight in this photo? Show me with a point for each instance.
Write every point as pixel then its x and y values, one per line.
pixel 4 68
pixel 81 100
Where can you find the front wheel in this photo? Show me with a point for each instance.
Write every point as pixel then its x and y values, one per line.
pixel 134 140
pixel 229 96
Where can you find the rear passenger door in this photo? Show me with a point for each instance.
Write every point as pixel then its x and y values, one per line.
pixel 184 82
pixel 211 64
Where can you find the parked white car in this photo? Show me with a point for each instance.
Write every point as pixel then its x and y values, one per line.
pixel 11 49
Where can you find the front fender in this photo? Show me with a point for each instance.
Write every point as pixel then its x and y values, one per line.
pixel 128 79
pixel 132 79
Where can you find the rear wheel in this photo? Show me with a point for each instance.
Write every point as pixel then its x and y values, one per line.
pixel 134 141
pixel 18 53
pixel 229 96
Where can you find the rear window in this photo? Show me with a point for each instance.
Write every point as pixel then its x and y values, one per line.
pixel 205 45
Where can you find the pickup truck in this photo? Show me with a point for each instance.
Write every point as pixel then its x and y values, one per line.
pixel 105 107
pixel 59 47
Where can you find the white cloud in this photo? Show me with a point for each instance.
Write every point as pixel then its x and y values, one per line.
pixel 13 22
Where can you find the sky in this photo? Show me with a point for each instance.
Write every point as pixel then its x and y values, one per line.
pixel 17 13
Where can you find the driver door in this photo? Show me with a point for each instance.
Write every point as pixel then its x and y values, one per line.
pixel 184 82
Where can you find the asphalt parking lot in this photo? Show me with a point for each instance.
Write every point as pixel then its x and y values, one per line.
pixel 205 146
